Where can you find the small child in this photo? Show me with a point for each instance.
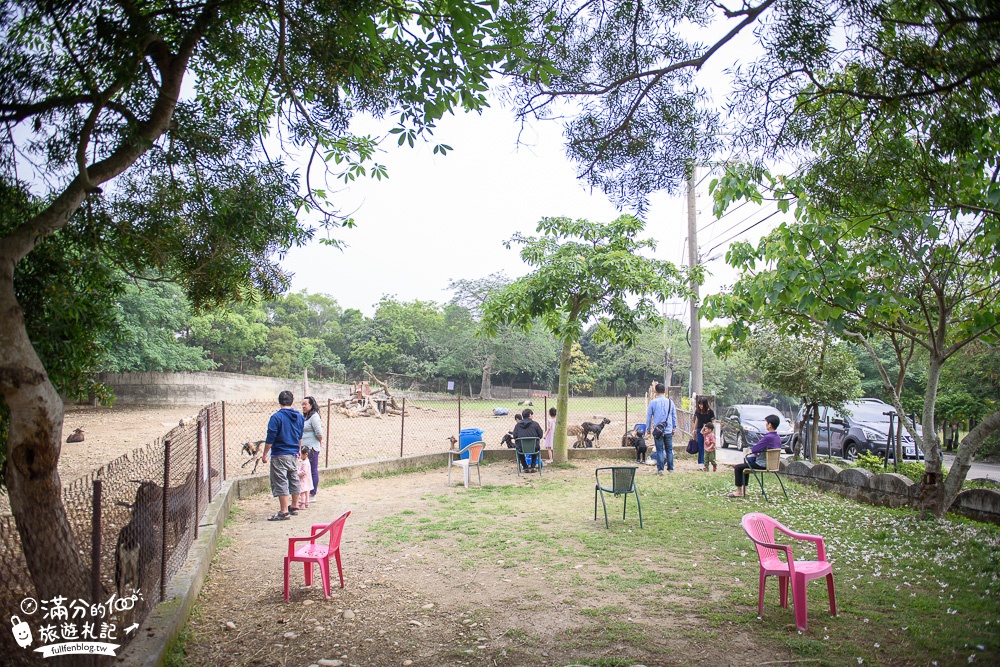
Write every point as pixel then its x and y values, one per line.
pixel 305 479
pixel 550 431
pixel 640 448
pixel 708 431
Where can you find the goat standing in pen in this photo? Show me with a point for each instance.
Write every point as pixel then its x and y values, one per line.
pixel 138 543
pixel 590 428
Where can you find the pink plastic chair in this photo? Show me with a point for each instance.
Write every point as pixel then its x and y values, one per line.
pixel 318 553
pixel 760 528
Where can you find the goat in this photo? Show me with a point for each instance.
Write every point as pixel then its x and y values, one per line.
pixel 75 436
pixel 525 403
pixel 453 440
pixel 590 428
pixel 508 439
pixel 138 542
pixel 633 439
pixel 180 504
pixel 581 438
pixel 252 449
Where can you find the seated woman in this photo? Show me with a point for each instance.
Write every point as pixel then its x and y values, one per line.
pixel 758 458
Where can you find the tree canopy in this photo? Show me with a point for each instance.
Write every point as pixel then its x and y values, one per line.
pixel 583 271
pixel 155 135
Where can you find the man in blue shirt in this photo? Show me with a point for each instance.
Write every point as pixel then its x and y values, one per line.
pixel 661 409
pixel 284 435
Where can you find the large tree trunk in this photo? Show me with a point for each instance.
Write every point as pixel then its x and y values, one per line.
pixel 486 388
pixel 963 460
pixel 931 495
pixel 562 403
pixel 33 446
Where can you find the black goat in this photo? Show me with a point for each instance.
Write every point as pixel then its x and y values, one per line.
pixel 595 429
pixel 633 439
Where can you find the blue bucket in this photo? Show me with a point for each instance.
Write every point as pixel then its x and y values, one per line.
pixel 640 429
pixel 467 436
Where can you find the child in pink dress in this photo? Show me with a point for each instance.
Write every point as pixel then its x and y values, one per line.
pixel 305 479
pixel 550 430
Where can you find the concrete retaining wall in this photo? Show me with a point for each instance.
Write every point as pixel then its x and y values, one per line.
pixel 888 489
pixel 209 386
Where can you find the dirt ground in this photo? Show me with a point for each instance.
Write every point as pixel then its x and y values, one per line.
pixel 423 604
pixel 111 432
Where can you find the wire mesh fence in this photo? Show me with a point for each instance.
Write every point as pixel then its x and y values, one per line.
pixel 133 520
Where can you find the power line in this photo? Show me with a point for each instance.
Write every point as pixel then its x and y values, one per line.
pixel 742 232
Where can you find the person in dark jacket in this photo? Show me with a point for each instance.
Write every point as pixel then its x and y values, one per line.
pixel 758 458
pixel 526 428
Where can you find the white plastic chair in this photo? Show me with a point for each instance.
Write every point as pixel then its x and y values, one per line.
pixel 475 451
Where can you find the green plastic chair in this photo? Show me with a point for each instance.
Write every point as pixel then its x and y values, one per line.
pixel 773 466
pixel 622 484
pixel 528 447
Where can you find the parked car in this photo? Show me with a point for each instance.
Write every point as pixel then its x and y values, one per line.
pixel 743 425
pixel 863 426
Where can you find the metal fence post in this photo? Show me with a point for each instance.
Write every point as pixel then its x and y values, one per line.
pixel 402 427
pixel 208 451
pixel 95 544
pixel 460 413
pixel 627 425
pixel 223 441
pixel 197 481
pixel 163 521
pixel 328 409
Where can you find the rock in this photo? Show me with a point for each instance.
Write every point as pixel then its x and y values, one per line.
pixel 416 624
pixel 348 615
pixel 319 628
pixel 290 635
pixel 429 605
pixel 407 663
pixel 230 625
pixel 306 603
pixel 331 663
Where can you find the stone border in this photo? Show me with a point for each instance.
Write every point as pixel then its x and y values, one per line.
pixel 888 489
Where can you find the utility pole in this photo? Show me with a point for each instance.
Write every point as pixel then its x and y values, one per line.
pixel 696 372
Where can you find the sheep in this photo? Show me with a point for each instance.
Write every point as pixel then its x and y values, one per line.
pixel 75 436
pixel 590 428
pixel 525 403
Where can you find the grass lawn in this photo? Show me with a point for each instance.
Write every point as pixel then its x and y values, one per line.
pixel 909 591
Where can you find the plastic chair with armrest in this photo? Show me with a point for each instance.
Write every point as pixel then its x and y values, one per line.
pixel 320 554
pixel 760 529
pixel 475 451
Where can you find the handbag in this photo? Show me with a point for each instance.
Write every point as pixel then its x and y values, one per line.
pixel 692 447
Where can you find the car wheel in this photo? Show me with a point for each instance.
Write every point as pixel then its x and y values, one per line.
pixel 722 437
pixel 850 451
pixel 741 442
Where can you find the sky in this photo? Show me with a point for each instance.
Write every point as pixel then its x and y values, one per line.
pixel 442 218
